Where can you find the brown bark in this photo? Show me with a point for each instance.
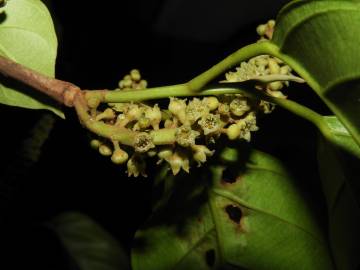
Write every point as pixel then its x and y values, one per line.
pixel 62 91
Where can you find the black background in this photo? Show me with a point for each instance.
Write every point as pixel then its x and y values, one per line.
pixel 170 42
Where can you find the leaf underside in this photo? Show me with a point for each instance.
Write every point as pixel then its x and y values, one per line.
pixel 236 218
pixel 339 171
pixel 323 38
pixel 88 244
pixel 27 36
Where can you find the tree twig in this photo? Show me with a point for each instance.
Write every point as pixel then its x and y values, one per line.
pixel 62 91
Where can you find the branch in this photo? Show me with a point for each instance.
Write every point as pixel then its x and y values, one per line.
pixel 63 92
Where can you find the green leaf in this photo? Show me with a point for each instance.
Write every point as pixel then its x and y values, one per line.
pixel 321 40
pixel 236 218
pixel 27 36
pixel 339 166
pixel 91 247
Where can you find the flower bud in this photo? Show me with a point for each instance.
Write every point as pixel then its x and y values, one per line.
pixel 285 70
pixel 239 106
pixel 165 153
pixel 105 150
pixel 142 84
pixel 233 131
pixel 261 29
pixel 177 107
pixel 201 152
pixel 119 156
pixel 135 75
pixel 211 102
pixel 271 23
pixel 178 161
pixel 152 153
pixel 95 144
pixel 127 83
pixel 154 115
pixel 273 66
pixel 275 86
pixel 108 114
pixel 136 166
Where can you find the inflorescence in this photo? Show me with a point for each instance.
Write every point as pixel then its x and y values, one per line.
pixel 195 123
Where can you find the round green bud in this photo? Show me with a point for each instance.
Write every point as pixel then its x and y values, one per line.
pixel 127 83
pixel 151 153
pixel 233 131
pixel 261 29
pixel 201 152
pixel 105 150
pixel 95 144
pixel 273 66
pixel 121 84
pixel 135 75
pixel 285 70
pixel 271 23
pixel 239 106
pixel 212 103
pixel 143 84
pixel 275 86
pixel 119 156
pixel 165 153
pixel 277 94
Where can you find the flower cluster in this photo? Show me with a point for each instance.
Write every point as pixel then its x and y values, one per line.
pixel 194 125
pixel 183 131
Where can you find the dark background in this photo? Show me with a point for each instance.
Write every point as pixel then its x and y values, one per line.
pixel 170 42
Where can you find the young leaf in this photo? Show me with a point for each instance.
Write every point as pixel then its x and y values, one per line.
pixel 239 218
pixel 90 246
pixel 27 36
pixel 339 171
pixel 321 39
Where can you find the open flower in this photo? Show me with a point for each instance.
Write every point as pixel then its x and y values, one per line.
pixel 210 123
pixel 178 161
pixel 185 136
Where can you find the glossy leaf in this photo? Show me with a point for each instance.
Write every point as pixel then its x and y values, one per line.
pixel 236 218
pixel 90 246
pixel 321 38
pixel 339 166
pixel 27 36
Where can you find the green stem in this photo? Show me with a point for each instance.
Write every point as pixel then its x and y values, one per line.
pixel 192 87
pixel 233 59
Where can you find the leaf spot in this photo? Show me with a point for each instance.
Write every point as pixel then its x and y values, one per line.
pixel 229 176
pixel 234 212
